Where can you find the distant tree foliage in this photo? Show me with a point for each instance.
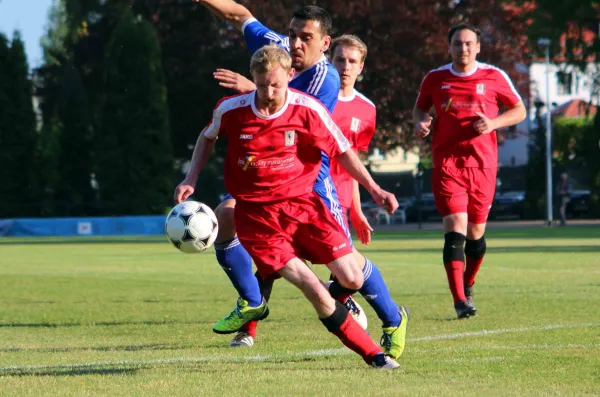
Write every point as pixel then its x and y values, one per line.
pixel 133 149
pixel 18 135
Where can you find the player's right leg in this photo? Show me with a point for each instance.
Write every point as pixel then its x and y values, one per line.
pixel 450 187
pixel 333 314
pixel 237 264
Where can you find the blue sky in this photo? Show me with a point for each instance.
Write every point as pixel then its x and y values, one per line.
pixel 31 18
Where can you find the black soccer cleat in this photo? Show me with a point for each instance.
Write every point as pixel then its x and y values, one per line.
pixel 464 309
pixel 470 294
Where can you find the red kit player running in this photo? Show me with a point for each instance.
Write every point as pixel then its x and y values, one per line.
pixel 466 96
pixel 275 138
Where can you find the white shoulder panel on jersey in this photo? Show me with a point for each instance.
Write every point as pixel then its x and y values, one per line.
pixel 503 74
pixel 302 99
pixel 239 101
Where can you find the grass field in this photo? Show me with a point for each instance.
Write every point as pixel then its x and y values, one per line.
pixel 133 317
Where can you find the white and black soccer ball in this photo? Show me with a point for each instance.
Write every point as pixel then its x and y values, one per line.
pixel 192 227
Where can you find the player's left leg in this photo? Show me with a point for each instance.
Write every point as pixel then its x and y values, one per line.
pixel 481 196
pixel 394 317
pixel 334 315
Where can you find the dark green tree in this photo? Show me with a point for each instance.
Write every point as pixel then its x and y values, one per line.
pixel 133 151
pixel 18 134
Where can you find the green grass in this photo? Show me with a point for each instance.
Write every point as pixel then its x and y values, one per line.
pixel 133 317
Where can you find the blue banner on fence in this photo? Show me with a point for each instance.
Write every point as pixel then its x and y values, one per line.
pixel 100 226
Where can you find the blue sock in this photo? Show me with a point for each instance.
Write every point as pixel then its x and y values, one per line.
pixel 377 294
pixel 237 263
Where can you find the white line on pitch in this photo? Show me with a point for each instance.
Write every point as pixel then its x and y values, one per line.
pixel 323 352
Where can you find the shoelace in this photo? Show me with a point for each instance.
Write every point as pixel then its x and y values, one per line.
pixel 351 306
pixel 386 340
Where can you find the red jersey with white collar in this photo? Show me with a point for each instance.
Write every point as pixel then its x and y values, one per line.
pixel 457 97
pixel 355 116
pixel 276 157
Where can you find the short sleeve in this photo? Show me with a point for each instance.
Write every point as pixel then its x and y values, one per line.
pixel 507 93
pixel 363 140
pixel 324 133
pixel 425 98
pixel 258 35
pixel 214 128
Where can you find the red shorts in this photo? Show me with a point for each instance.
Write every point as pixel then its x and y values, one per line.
pixel 469 190
pixel 300 227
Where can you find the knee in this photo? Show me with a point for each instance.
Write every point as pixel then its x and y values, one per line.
pixel 475 248
pixel 453 247
pixel 353 280
pixel 224 213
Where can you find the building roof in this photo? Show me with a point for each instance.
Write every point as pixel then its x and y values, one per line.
pixel 574 108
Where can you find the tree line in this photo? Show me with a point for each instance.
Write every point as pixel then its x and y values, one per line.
pixel 126 86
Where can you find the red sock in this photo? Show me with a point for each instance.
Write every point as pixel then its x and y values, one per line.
pixel 342 298
pixel 455 272
pixel 356 339
pixel 473 266
pixel 250 328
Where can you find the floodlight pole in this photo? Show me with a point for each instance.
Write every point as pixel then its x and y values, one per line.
pixel 546 43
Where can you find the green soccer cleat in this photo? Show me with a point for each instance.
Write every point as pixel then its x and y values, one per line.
pixel 240 316
pixel 393 339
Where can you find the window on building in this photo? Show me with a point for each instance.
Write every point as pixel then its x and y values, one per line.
pixel 564 82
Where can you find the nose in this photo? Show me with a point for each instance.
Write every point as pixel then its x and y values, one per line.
pixel 295 42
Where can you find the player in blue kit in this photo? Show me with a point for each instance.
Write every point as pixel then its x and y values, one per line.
pixel 307 42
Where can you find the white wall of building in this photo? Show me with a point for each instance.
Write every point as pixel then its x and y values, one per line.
pixel 565 84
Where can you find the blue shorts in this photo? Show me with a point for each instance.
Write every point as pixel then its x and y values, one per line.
pixel 326 190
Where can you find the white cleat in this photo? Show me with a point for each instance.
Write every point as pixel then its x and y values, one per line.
pixel 381 361
pixel 242 339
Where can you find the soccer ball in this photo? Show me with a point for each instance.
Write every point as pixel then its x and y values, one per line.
pixel 191 227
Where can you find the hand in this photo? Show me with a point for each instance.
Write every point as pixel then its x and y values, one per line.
pixel 361 226
pixel 483 125
pixel 385 199
pixel 422 128
pixel 184 190
pixel 235 81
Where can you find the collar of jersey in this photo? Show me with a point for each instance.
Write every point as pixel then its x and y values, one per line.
pixel 454 72
pixel 275 115
pixel 347 98
pixel 323 59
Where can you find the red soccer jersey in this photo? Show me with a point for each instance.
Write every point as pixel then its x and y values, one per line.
pixel 457 97
pixel 355 115
pixel 272 158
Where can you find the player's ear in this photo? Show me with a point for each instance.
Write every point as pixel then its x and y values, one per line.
pixel 362 65
pixel 291 74
pixel 326 43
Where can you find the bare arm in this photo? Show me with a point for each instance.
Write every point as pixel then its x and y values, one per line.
pixel 351 163
pixel 229 11
pixel 357 218
pixel 202 152
pixel 421 122
pixel 512 116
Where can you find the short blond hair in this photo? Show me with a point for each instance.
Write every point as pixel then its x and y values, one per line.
pixel 350 40
pixel 269 58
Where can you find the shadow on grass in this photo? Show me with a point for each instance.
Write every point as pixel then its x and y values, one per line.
pixel 101 324
pixel 520 249
pixel 69 372
pixel 150 347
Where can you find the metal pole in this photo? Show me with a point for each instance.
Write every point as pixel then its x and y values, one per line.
pixel 548 142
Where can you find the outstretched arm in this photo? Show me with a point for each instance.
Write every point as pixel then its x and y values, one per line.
pixel 229 11
pixel 351 163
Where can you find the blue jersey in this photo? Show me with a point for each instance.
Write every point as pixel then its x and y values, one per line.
pixel 321 81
